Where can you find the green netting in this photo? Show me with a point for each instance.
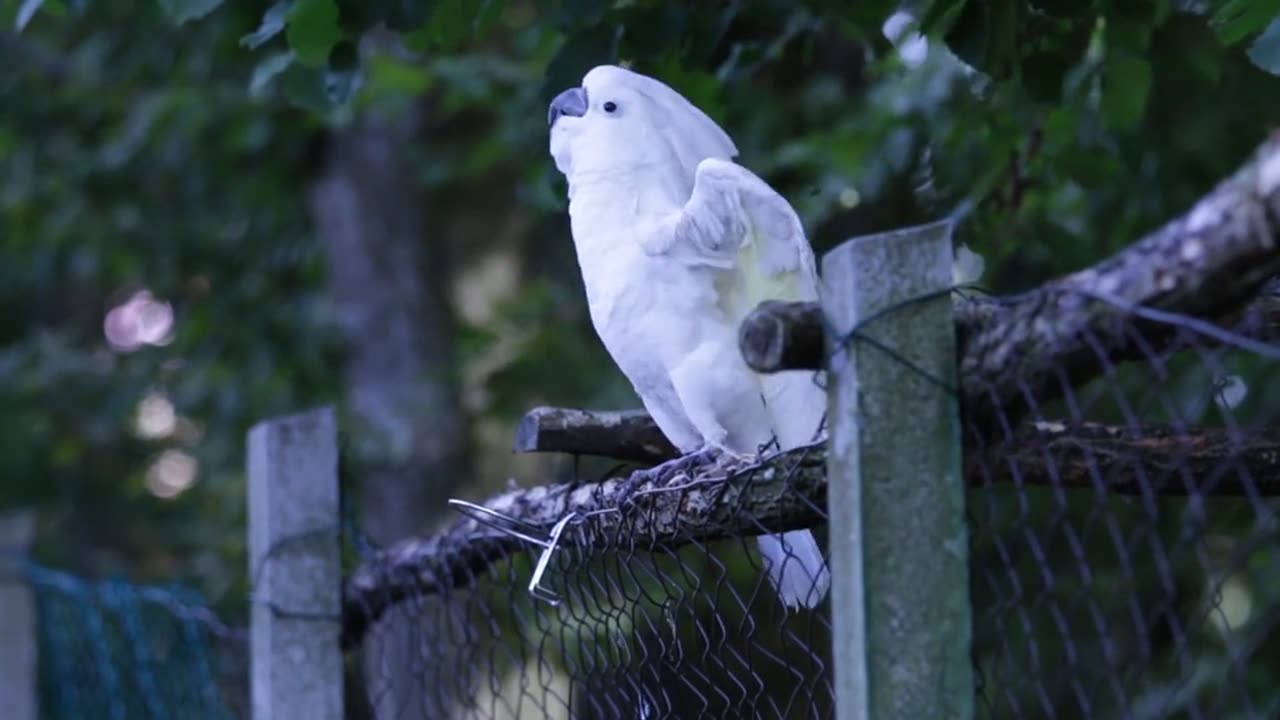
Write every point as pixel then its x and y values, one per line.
pixel 119 651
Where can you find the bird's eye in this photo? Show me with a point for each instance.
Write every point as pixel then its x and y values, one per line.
pixel 610 106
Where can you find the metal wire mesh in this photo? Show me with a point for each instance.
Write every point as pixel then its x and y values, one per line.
pixel 646 622
pixel 116 650
pixel 1124 558
pixel 1123 564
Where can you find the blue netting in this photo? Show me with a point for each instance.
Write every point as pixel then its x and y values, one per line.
pixel 119 651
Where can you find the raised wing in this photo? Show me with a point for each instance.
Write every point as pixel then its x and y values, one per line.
pixel 733 217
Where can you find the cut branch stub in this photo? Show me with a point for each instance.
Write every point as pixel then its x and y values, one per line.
pixel 622 435
pixel 783 335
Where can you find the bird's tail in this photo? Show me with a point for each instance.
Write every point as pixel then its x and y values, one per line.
pixel 796 404
pixel 796 568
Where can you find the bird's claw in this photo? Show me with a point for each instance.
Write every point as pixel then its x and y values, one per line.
pixel 665 473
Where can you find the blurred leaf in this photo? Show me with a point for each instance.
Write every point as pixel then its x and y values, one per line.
pixel 273 21
pixel 941 16
pixel 451 24
pixel 390 76
pixel 266 71
pixel 181 11
pixel 26 11
pixel 407 15
pixel 984 35
pixel 313 30
pixel 342 78
pixel 307 87
pixel 1238 19
pixel 1265 50
pixel 1126 82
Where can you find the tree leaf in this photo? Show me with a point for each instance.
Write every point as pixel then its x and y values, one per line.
pixel 452 24
pixel 1126 83
pixel 273 21
pixel 409 15
pixel 313 30
pixel 267 71
pixel 26 11
pixel 342 79
pixel 1238 19
pixel 305 87
pixel 181 11
pixel 1265 50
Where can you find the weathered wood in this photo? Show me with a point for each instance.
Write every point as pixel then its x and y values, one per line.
pixel 19 686
pixel 1148 460
pixel 1122 460
pixel 901 620
pixel 296 567
pixel 779 336
pixel 623 435
pixel 738 500
pixel 1046 454
pixel 1209 263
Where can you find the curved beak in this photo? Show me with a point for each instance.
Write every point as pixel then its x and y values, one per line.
pixel 571 102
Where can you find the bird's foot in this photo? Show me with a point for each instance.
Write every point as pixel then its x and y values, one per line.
pixel 671 470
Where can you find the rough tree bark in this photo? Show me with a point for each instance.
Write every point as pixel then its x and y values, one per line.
pixel 786 492
pixel 408 436
pixel 1209 263
pixel 734 501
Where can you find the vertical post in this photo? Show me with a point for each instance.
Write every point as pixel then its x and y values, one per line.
pixel 295 565
pixel 18 647
pixel 899 548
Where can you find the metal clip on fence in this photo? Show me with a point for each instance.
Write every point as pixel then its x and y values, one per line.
pixel 524 531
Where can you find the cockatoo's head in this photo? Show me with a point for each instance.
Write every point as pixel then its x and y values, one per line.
pixel 620 122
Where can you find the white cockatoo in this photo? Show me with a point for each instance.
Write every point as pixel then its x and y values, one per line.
pixel 677 243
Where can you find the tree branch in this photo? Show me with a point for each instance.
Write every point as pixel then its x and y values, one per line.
pixel 786 492
pixel 1207 264
pixel 1154 459
pixel 781 335
pixel 627 435
pixel 670 511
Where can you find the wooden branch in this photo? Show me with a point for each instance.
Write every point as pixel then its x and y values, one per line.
pixel 788 491
pixel 779 336
pixel 1208 264
pixel 626 435
pixel 1151 460
pixel 672 510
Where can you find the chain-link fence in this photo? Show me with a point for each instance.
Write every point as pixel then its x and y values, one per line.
pixel 1121 444
pixel 1125 559
pixel 638 613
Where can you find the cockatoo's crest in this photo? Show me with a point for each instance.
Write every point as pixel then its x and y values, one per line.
pixel 650 126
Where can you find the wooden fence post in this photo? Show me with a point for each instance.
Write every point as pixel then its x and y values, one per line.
pixel 899 546
pixel 295 567
pixel 19 689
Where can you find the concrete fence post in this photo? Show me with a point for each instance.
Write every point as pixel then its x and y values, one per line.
pixel 295 567
pixel 899 548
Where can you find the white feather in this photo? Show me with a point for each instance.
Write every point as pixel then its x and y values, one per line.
pixel 677 244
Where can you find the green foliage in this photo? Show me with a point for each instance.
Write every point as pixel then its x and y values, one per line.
pixel 139 153
pixel 313 29
pixel 1265 50
pixel 182 11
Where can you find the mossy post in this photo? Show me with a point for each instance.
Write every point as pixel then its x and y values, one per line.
pixel 899 549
